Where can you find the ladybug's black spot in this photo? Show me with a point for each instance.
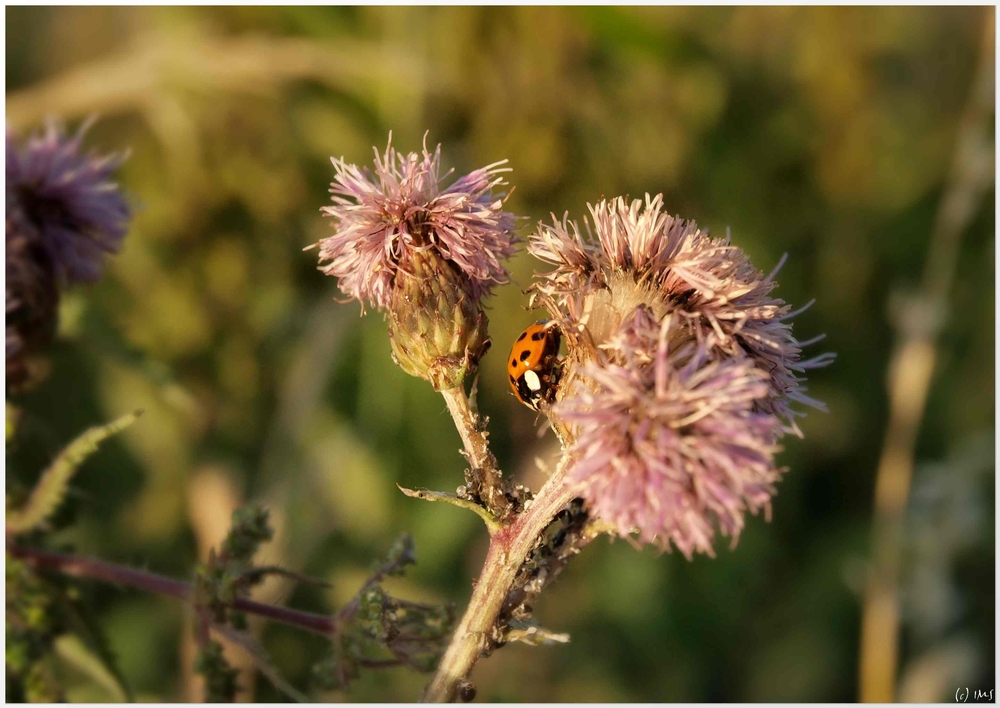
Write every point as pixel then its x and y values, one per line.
pixel 525 354
pixel 523 335
pixel 537 336
pixel 513 362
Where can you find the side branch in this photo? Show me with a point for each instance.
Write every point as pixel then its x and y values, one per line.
pixel 93 569
pixel 491 524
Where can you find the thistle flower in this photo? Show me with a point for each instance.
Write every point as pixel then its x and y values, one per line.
pixel 78 212
pixel 63 215
pixel 382 216
pixel 669 446
pixel 644 256
pixel 680 373
pixel 424 253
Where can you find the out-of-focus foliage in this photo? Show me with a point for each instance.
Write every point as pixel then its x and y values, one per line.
pixel 53 484
pixel 822 132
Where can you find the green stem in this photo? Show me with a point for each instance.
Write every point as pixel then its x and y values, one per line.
pixel 508 549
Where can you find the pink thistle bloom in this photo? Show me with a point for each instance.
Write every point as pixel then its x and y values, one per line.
pixel 633 254
pixel 68 200
pixel 679 377
pixel 669 446
pixel 382 216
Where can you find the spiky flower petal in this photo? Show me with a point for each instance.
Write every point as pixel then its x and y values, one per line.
pixel 423 253
pixel 637 254
pixel 673 447
pixel 382 215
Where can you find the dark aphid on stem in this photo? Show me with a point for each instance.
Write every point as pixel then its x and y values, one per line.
pixel 466 692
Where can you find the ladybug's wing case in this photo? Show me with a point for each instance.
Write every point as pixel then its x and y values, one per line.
pixel 538 356
pixel 526 395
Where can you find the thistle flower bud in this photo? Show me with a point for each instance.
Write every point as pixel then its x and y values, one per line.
pixel 436 330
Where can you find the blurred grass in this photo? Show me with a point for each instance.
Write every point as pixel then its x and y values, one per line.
pixel 822 132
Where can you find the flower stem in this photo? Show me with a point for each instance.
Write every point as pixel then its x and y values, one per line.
pixel 79 567
pixel 508 549
pixel 485 477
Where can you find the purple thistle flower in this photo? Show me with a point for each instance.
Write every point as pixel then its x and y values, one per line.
pixel 63 216
pixel 382 217
pixel 668 446
pixel 67 196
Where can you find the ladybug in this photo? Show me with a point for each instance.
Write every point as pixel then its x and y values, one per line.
pixel 533 366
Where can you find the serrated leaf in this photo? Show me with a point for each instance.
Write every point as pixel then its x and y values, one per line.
pixel 51 488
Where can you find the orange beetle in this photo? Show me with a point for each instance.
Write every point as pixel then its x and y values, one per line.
pixel 533 366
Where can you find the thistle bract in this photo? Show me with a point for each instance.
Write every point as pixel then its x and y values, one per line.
pixel 436 331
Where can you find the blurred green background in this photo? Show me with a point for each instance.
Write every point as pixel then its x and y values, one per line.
pixel 823 133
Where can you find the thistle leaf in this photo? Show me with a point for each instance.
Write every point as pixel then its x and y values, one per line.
pixel 492 525
pixel 51 488
pixel 220 677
